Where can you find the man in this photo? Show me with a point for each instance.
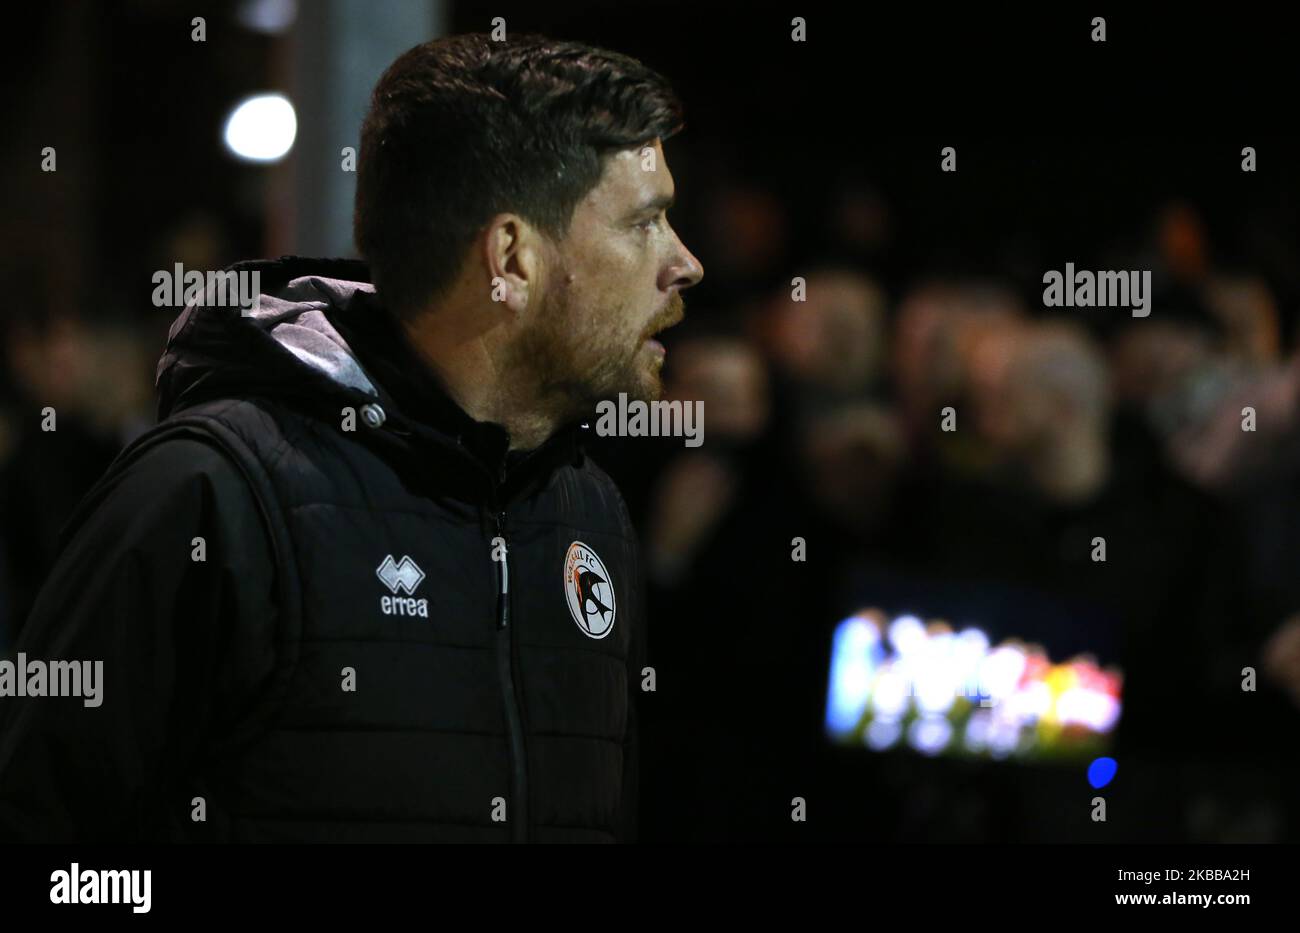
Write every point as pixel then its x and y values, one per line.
pixel 361 583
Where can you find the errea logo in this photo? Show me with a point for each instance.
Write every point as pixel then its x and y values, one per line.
pixel 402 576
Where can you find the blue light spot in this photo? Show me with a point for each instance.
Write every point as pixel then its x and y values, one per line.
pixel 1102 771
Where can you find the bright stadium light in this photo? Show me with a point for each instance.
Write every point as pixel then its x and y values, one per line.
pixel 262 128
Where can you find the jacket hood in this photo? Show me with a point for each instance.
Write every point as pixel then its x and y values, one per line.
pixel 285 345
pixel 298 344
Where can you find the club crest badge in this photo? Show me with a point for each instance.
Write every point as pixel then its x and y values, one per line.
pixel 589 591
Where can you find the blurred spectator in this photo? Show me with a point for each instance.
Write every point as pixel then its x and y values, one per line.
pixel 94 382
pixel 1171 573
pixel 1281 658
pixel 831 344
pixel 745 236
pixel 1245 306
pixel 1042 402
pixel 859 222
pixel 1217 451
pixel 939 326
pixel 1150 359
pixel 738 694
pixel 853 458
pixel 1183 243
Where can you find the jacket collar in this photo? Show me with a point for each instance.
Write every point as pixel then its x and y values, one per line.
pixel 417 401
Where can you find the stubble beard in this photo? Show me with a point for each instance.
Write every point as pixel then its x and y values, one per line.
pixel 565 379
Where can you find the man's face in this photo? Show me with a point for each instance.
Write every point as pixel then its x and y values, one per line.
pixel 611 284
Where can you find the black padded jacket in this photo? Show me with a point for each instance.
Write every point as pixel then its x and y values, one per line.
pixel 330 606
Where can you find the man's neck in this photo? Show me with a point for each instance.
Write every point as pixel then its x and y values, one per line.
pixel 467 364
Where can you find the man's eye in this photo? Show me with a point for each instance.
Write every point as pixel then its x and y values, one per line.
pixel 647 224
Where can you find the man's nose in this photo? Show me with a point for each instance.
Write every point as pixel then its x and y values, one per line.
pixel 685 271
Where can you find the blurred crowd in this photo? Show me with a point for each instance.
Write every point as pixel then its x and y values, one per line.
pixel 937 427
pixel 952 429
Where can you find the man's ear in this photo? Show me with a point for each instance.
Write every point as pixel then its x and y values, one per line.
pixel 513 254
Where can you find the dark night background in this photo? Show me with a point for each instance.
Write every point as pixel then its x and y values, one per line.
pixel 820 160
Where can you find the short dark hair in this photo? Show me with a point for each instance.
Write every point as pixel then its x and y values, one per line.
pixel 464 127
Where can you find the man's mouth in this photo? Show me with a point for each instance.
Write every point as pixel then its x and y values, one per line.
pixel 674 317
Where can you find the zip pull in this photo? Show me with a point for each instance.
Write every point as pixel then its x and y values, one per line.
pixel 503 594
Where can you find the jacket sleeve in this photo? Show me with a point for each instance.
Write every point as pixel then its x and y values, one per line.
pixel 163 589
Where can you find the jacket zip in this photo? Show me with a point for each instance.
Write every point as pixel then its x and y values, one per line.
pixel 505 670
